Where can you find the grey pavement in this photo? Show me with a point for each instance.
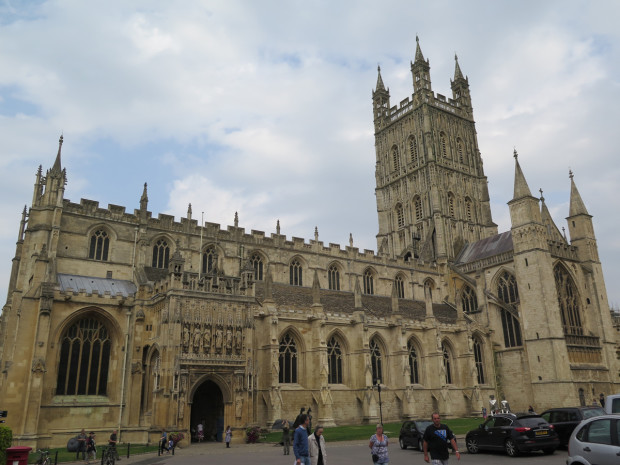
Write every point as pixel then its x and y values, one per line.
pixel 338 453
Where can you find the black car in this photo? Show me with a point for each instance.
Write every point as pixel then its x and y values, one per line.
pixel 514 434
pixel 566 419
pixel 411 433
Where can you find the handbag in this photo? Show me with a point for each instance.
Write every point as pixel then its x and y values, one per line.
pixel 375 458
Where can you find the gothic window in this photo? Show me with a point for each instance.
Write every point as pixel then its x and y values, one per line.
pixel 395 159
pixel 99 245
pixel 508 293
pixel 288 360
pixel 257 263
pixel 333 277
pixel 368 282
pixel 459 148
pixel 417 202
pixel 443 144
pixel 161 254
pixel 84 359
pixel 478 361
pixel 451 204
pixel 334 361
pixel 295 273
pixel 209 260
pixel 400 287
pixel 400 215
pixel 376 361
pixel 447 363
pixel 468 210
pixel 414 368
pixel 469 300
pixel 413 149
pixel 568 299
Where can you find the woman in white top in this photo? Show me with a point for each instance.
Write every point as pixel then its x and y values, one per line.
pixel 316 447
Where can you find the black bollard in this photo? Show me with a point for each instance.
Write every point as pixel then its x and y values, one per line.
pixel 128 446
pixel 102 454
pixel 56 458
pixel 173 447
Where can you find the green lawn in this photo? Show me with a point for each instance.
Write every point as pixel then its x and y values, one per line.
pixel 64 456
pixel 357 432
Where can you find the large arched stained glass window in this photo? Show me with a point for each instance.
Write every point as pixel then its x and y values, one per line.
pixel 288 359
pixel 161 254
pixel 257 264
pixel 469 300
pixel 508 293
pixel 334 360
pixel 209 259
pixel 333 277
pixel 479 361
pixel 369 286
pixel 399 282
pixel 99 246
pixel 84 359
pixel 296 270
pixel 568 299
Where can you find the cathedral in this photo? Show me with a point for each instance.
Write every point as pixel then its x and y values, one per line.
pixel 117 319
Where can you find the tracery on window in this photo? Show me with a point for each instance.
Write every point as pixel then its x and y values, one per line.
pixel 376 361
pixel 447 363
pixel 400 286
pixel 333 277
pixel 443 144
pixel 417 202
pixel 469 299
pixel 508 293
pixel 459 148
pixel 295 272
pixel 400 215
pixel 161 254
pixel 414 369
pixel 395 159
pixel 288 360
pixel 413 149
pixel 451 204
pixel 84 359
pixel 369 288
pixel 257 263
pixel 334 361
pixel 209 259
pixel 99 245
pixel 468 210
pixel 568 299
pixel 479 361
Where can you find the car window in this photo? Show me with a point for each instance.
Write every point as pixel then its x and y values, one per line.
pixel 559 416
pixel 572 416
pixel 592 412
pixel 599 431
pixel 547 416
pixel 618 431
pixel 502 421
pixel 490 422
pixel 615 405
pixel 582 434
pixel 422 425
pixel 532 422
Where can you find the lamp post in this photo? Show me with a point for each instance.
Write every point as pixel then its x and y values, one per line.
pixel 378 384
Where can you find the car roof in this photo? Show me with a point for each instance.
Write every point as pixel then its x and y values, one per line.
pixel 581 407
pixel 608 416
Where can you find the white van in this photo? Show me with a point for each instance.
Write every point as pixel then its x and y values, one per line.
pixel 612 404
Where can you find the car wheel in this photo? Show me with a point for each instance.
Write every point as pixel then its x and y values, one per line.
pixel 549 451
pixel 472 446
pixel 402 444
pixel 511 448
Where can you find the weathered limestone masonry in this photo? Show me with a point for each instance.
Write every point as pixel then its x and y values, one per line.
pixel 118 320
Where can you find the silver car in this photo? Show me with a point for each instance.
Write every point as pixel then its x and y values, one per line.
pixel 595 441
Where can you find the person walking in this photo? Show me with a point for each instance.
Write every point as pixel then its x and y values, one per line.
pixel 316 447
pixel 91 447
pixel 300 441
pixel 163 441
pixel 200 434
pixel 228 437
pixel 81 445
pixel 112 445
pixel 379 446
pixel 436 439
pixel 286 437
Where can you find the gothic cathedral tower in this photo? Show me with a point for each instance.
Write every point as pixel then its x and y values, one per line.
pixel 432 194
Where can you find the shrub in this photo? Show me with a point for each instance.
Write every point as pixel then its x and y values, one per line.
pixel 252 434
pixel 6 438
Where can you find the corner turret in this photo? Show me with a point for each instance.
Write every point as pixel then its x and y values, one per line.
pixel 421 71
pixel 580 226
pixel 380 101
pixel 460 88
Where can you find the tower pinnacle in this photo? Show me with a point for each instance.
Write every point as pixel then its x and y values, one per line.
pixel 380 85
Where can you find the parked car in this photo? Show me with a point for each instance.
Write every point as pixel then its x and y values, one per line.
pixel 612 404
pixel 595 441
pixel 411 433
pixel 513 433
pixel 565 419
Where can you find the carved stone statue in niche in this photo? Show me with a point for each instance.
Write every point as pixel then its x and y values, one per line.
pixel 238 341
pixel 229 340
pixel 197 337
pixel 206 340
pixel 186 337
pixel 238 406
pixel 219 339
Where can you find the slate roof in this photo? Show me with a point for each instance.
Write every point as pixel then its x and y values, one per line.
pixel 485 248
pixel 92 285
pixel 300 298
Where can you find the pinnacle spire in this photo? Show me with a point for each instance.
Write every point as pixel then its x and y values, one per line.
pixel 380 85
pixel 457 69
pixel 577 207
pixel 552 230
pixel 144 200
pixel 418 50
pixel 521 187
pixel 56 169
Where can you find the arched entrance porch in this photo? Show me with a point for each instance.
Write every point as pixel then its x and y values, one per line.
pixel 208 409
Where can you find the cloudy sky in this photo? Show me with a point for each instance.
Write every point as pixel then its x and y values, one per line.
pixel 264 107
